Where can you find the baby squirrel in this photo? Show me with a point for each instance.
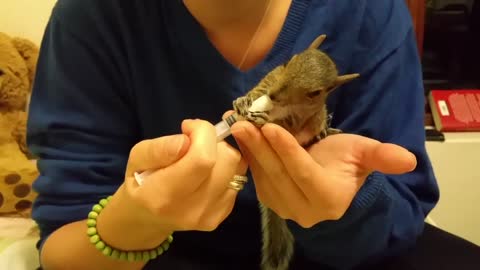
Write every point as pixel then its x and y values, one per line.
pixel 298 90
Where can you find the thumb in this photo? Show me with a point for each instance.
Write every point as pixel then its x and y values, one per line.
pixel 389 158
pixel 157 153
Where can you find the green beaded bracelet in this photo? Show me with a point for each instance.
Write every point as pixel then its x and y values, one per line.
pixel 131 256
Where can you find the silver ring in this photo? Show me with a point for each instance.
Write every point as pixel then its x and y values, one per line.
pixel 240 178
pixel 238 182
pixel 235 185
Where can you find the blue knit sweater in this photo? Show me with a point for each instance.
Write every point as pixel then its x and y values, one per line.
pixel 114 72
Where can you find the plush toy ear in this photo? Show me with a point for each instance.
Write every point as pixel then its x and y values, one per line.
pixel 317 42
pixel 29 52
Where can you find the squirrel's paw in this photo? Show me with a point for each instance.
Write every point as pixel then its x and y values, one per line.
pixel 258 118
pixel 332 131
pixel 241 106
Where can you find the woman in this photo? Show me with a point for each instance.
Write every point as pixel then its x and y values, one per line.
pixel 116 81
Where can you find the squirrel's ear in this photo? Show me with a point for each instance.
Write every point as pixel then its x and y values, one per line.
pixel 341 80
pixel 317 42
pixel 346 78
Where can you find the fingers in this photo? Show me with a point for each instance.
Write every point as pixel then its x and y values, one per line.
pixel 230 162
pixel 213 201
pixel 261 186
pixel 190 192
pixel 187 174
pixel 164 151
pixel 297 161
pixel 253 141
pixel 206 216
pixel 261 156
pixel 372 155
pixel 157 153
pixel 206 168
pixel 388 158
pixel 275 186
pixel 220 207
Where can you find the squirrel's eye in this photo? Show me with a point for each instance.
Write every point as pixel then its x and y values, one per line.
pixel 1 72
pixel 314 93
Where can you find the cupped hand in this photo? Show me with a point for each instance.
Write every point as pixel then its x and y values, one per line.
pixel 316 184
pixel 188 189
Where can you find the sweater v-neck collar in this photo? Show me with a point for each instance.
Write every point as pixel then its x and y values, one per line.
pixel 193 39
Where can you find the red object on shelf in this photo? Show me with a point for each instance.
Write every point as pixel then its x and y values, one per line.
pixel 455 110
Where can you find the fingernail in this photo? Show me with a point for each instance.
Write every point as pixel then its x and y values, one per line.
pixel 176 145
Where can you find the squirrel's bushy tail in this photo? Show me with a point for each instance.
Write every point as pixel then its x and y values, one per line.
pixel 278 241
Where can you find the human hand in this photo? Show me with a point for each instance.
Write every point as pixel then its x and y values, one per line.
pixel 316 184
pixel 189 188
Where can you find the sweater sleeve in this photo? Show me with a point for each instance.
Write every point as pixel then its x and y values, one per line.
pixel 387 104
pixel 81 125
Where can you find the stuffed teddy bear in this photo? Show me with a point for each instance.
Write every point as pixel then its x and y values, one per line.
pixel 18 58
